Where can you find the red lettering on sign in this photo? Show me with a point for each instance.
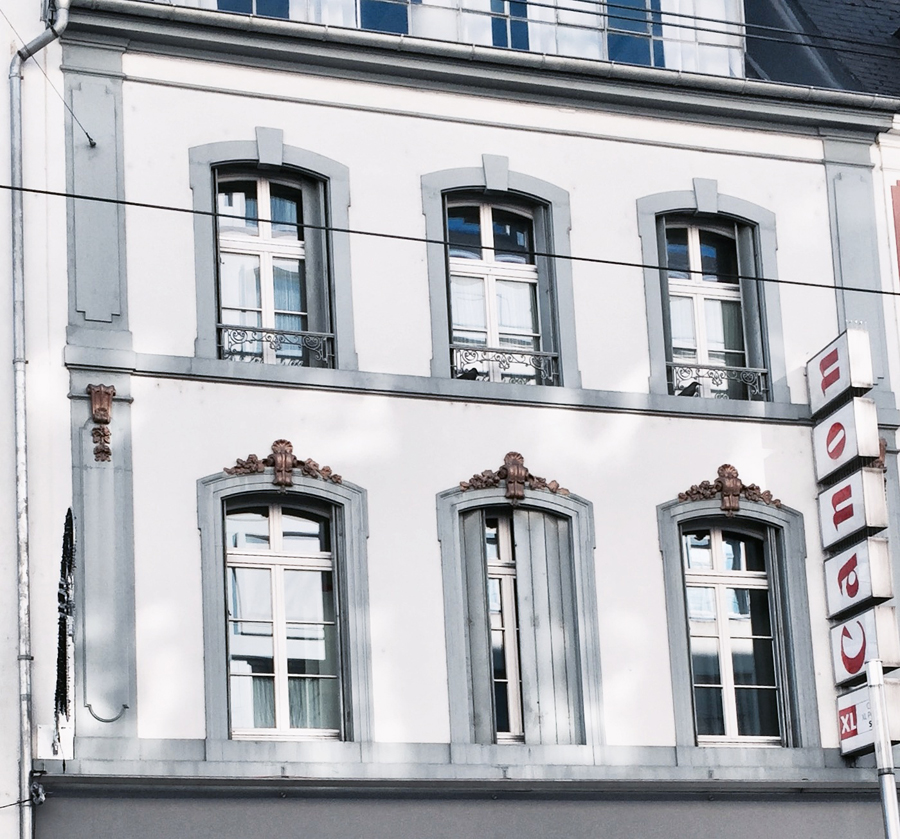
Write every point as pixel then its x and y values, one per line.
pixel 836 440
pixel 848 579
pixel 848 723
pixel 830 369
pixel 842 513
pixel 853 663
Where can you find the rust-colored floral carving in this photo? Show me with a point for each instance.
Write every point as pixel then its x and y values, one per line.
pixel 516 475
pixel 100 436
pixel 731 488
pixel 101 413
pixel 283 462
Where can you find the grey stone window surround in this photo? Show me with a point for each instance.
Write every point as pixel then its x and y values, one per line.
pixel 787 578
pixel 349 503
pixel 494 176
pixel 451 504
pixel 270 155
pixel 706 200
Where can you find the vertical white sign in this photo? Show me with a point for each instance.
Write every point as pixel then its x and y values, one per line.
pixel 845 363
pixel 871 634
pixel 857 575
pixel 852 505
pixel 850 432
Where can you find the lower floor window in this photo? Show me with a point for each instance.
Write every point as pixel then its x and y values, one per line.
pixel 284 660
pixel 732 643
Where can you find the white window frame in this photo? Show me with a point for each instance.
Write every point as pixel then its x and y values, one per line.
pixel 490 271
pixel 503 569
pixel 720 580
pixel 276 560
pixel 265 247
pixel 698 291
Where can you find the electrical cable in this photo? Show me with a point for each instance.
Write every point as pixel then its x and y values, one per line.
pixel 444 242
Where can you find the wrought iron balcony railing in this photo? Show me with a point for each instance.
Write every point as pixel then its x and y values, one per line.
pixel 744 383
pixel 276 346
pixel 487 364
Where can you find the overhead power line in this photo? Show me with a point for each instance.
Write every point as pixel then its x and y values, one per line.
pixel 442 242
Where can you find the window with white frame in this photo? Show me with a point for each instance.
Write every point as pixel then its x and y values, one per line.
pixel 734 656
pixel 274 303
pixel 262 8
pixel 708 340
pixel 283 621
pixel 495 295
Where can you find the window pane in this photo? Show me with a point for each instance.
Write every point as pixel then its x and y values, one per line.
pixel 383 16
pixel 677 253
pixel 286 209
pixel 237 205
pixel 701 603
pixel 518 29
pixel 491 539
pixel 252 702
pixel 308 596
pixel 724 328
pixel 311 650
pixel 467 303
pixel 314 703
pixel 757 710
pixel 290 291
pixel 250 593
pixel 630 15
pixel 753 661
pixel 501 707
pixel 705 661
pixel 464 232
pixel 498 654
pixel 708 710
pixel 628 49
pixel 718 257
pixel 495 607
pixel 248 529
pixel 512 233
pixel 241 6
pixel 239 281
pixel 681 316
pixel 743 553
pixel 305 534
pixel 697 551
pixel 516 306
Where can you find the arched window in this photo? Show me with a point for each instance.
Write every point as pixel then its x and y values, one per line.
pixel 501 306
pixel 520 609
pixel 285 609
pixel 738 616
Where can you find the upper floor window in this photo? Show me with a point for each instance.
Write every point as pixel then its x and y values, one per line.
pixel 706 323
pixel 494 293
pixel 714 330
pixel 263 8
pixel 273 283
pixel 734 658
pixel 283 621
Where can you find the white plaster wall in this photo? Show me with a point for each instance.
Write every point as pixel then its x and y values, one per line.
pixel 404 452
pixel 606 162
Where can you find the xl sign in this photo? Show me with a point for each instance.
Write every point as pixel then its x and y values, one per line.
pixel 871 634
pixel 855 723
pixel 848 433
pixel 854 504
pixel 844 364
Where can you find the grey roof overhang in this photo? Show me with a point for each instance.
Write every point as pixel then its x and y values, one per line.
pixel 477 70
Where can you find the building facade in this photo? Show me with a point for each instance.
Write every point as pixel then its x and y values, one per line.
pixel 428 386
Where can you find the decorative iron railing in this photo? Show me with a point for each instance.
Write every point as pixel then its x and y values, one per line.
pixel 276 346
pixel 746 383
pixel 521 367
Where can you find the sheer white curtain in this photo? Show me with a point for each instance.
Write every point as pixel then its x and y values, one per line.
pixel 703 36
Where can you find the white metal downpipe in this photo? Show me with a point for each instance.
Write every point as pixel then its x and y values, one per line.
pixel 50 34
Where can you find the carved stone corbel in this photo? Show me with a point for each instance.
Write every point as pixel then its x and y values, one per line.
pixel 283 462
pixel 516 476
pixel 101 413
pixel 731 488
